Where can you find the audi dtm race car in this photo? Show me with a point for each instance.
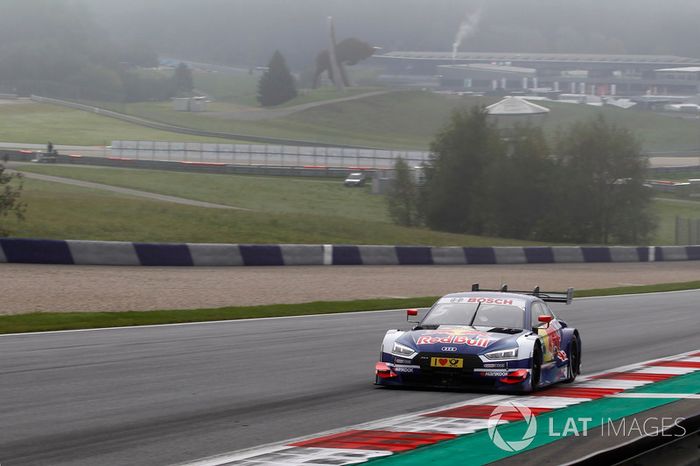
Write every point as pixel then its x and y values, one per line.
pixel 510 341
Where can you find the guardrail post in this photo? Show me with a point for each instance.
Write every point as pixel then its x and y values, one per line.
pixel 298 156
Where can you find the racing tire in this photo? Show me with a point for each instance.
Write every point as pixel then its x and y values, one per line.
pixel 573 368
pixel 536 369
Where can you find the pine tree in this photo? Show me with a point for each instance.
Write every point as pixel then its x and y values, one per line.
pixel 182 79
pixel 276 86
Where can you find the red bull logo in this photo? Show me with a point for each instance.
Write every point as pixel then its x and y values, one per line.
pixel 469 340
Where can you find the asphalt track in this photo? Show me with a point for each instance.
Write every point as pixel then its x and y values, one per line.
pixel 162 395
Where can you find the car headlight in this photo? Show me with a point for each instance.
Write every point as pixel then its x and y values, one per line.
pixel 403 350
pixel 504 354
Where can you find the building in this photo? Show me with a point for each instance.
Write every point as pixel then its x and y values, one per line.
pixel 190 104
pixel 594 74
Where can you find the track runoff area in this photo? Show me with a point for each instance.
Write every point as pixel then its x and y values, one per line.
pixel 496 427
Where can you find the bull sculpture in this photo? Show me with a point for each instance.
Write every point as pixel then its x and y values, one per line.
pixel 348 52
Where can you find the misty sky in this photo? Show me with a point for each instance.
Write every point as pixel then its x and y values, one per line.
pixel 246 32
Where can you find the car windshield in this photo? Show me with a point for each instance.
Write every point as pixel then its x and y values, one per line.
pixel 475 314
pixel 355 176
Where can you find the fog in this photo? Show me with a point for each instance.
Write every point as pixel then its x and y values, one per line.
pixel 246 32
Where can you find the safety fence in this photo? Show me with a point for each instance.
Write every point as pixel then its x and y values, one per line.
pixel 687 231
pixel 265 154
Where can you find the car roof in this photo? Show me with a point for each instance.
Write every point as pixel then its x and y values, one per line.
pixel 492 294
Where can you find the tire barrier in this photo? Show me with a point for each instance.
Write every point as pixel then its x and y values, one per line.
pixel 73 252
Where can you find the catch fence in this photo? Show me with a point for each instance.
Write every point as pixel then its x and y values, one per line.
pixel 265 154
pixel 687 231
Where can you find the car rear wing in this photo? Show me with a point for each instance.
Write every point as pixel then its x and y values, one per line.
pixel 548 296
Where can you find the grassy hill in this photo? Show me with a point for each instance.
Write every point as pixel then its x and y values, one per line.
pixel 288 210
pixel 410 119
pixel 297 210
pixel 34 123
pixel 399 120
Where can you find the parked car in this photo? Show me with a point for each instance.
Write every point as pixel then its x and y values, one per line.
pixel 355 179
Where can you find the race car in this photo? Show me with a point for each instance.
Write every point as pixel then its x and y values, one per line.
pixel 507 341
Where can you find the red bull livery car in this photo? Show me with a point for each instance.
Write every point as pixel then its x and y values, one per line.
pixel 510 341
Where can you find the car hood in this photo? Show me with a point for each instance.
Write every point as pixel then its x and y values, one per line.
pixel 460 339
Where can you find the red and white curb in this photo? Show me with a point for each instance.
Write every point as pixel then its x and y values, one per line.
pixel 360 443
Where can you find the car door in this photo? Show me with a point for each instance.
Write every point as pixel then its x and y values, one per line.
pixel 549 334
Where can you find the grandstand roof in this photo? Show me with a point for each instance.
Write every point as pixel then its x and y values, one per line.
pixel 544 57
pixel 515 106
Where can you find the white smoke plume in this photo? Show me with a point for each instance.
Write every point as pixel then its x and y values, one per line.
pixel 469 27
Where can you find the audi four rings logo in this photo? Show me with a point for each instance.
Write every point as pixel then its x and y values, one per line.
pixel 449 349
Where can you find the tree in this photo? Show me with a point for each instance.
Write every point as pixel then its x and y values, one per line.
pixel 591 191
pixel 276 86
pixel 183 80
pixel 454 191
pixel 519 193
pixel 600 186
pixel 402 198
pixel 10 197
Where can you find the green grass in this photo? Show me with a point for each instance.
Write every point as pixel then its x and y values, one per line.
pixel 410 120
pixel 666 211
pixel 317 196
pixel 39 322
pixel 307 96
pixel 241 89
pixel 663 287
pixel 34 123
pixel 655 132
pixel 314 197
pixel 57 211
pixel 403 120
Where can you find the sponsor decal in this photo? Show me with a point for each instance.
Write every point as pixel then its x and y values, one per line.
pixel 502 301
pixel 495 365
pixel 403 369
pixel 469 340
pixel 495 373
pixel 402 361
pixel 561 354
pixel 447 362
pixel 449 349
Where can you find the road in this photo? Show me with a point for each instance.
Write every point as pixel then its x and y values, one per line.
pixel 161 395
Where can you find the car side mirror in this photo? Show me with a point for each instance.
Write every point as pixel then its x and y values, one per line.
pixel 412 313
pixel 545 319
